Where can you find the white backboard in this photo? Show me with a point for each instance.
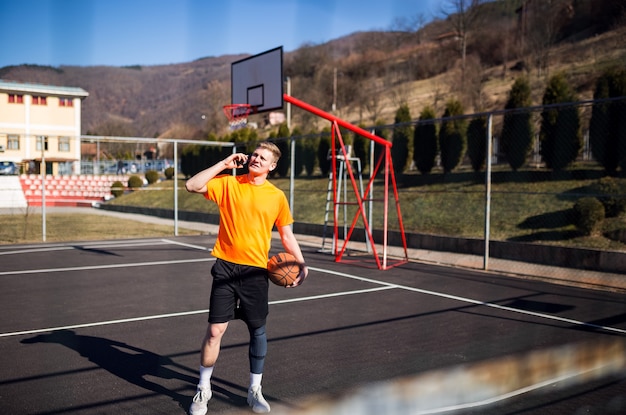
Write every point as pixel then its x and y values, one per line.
pixel 258 81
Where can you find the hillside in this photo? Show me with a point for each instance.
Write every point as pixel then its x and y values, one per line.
pixel 136 101
pixel 376 71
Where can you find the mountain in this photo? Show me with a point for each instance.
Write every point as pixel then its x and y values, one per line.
pixel 138 100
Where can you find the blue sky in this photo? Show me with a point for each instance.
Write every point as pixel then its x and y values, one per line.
pixel 154 32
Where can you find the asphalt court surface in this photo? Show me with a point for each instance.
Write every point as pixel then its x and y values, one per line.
pixel 115 327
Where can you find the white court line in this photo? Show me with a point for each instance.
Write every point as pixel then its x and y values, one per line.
pixel 341 274
pixel 91 267
pixel 186 313
pixel 320 296
pixel 477 302
pixel 103 323
pixel 202 248
pixel 89 245
pixel 497 398
pixel 32 250
pixel 119 244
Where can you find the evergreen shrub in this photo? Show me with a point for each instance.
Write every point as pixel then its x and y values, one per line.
pixel 611 192
pixel 117 188
pixel 135 182
pixel 152 176
pixel 169 173
pixel 589 215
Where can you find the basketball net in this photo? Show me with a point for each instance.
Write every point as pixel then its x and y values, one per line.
pixel 237 115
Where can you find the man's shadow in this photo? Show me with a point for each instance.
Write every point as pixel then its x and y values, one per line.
pixel 122 360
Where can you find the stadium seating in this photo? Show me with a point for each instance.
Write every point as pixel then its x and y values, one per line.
pixel 75 190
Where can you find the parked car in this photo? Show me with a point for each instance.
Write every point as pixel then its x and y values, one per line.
pixel 8 168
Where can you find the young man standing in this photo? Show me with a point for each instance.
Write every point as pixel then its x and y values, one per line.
pixel 249 207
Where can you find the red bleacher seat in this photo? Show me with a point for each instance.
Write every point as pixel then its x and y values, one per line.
pixel 68 190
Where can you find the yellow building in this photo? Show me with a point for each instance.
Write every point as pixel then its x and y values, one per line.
pixel 41 121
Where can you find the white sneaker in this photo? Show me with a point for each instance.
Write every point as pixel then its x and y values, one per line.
pixel 200 401
pixel 257 401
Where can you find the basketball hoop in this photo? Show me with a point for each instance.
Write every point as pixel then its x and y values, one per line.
pixel 237 115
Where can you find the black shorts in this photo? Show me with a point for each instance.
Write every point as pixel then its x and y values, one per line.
pixel 240 286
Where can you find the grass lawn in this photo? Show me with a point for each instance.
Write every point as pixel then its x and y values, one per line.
pixel 67 227
pixel 530 206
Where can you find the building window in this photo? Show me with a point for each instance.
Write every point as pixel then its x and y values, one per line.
pixel 66 102
pixel 13 142
pixel 64 144
pixel 16 99
pixel 39 100
pixel 42 141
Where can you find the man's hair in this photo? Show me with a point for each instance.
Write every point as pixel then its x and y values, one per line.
pixel 272 148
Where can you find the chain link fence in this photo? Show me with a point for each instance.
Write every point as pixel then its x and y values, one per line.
pixel 469 184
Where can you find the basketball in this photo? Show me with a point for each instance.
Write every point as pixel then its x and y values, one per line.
pixel 283 269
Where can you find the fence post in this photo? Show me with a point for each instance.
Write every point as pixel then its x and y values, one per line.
pixel 292 174
pixel 175 188
pixel 488 192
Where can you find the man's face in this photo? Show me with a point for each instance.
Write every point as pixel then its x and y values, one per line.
pixel 261 161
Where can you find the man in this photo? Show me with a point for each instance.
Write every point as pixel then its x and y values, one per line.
pixel 249 208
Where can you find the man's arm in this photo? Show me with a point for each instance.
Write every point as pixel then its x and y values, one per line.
pixel 197 184
pixel 291 246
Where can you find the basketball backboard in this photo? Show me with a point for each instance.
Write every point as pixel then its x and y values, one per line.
pixel 258 81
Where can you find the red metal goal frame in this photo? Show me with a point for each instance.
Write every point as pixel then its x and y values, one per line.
pixel 384 161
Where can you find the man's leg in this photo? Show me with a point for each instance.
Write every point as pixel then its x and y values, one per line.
pixel 209 352
pixel 212 343
pixel 256 353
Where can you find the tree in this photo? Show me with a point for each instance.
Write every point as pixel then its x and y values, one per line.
pixel 452 136
pixel 401 136
pixel 409 27
pixel 607 128
pixel 360 146
pixel 322 152
pixel 379 149
pixel 244 135
pixel 299 151
pixel 311 144
pixel 425 141
pixel 373 103
pixel 463 16
pixel 542 22
pixel 560 135
pixel 215 97
pixel 280 138
pixel 477 142
pixel 197 157
pixel 517 129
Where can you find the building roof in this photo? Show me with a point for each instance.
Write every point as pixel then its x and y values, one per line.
pixel 64 91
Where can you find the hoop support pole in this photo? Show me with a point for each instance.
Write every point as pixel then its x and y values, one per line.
pixel 339 121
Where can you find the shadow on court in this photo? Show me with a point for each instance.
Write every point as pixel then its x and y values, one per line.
pixel 127 362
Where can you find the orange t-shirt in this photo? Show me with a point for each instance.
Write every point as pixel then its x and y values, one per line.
pixel 248 213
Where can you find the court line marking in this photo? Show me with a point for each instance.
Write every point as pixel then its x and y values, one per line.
pixel 102 323
pixel 183 313
pixel 478 302
pixel 92 267
pixel 200 247
pixel 330 295
pixel 89 245
pixel 30 251
pixel 385 285
pixel 507 395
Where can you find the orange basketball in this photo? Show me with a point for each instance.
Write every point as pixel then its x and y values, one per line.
pixel 283 269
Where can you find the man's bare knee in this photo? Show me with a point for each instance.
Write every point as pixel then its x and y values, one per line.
pixel 215 332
